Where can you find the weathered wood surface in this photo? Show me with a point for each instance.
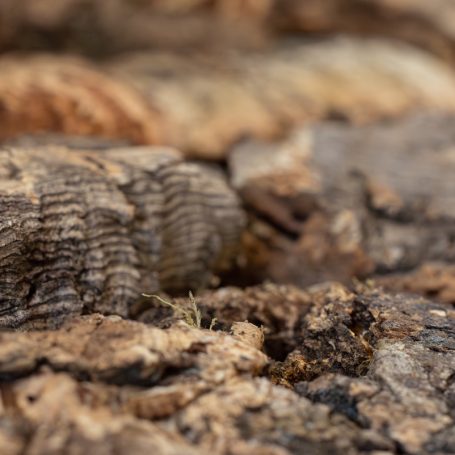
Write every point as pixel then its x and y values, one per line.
pixel 368 372
pixel 334 201
pixel 86 231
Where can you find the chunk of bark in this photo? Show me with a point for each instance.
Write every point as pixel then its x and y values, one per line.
pixel 349 201
pixel 407 392
pixel 69 96
pixel 208 102
pixel 117 351
pixel 103 383
pixel 53 413
pixel 430 26
pixel 203 108
pixel 86 231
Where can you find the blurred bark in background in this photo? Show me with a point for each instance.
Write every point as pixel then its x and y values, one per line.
pixel 105 27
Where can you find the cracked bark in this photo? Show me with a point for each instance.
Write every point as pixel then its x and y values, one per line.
pixel 334 201
pixel 85 231
pixel 382 378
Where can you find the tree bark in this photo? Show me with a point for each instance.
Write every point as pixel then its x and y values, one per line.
pixel 335 201
pixel 85 231
pixel 368 372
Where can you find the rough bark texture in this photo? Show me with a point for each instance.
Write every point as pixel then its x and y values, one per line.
pixel 185 24
pixel 435 280
pixel 370 372
pixel 70 96
pixel 342 151
pixel 209 102
pixel 336 201
pixel 203 107
pixel 86 231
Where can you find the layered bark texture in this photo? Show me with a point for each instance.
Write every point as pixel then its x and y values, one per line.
pixel 291 163
pixel 368 373
pixel 429 26
pixel 67 95
pixel 209 102
pixel 335 201
pixel 203 103
pixel 122 25
pixel 89 231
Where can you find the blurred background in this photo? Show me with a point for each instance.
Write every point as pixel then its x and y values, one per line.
pixel 332 118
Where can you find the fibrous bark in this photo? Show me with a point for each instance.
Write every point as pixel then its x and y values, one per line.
pixel 86 231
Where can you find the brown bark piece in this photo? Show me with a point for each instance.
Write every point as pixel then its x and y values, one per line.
pixel 209 102
pixel 407 391
pixel 405 348
pixel 54 413
pixel 376 372
pixel 203 107
pixel 86 231
pixel 370 199
pixel 117 351
pixel 69 96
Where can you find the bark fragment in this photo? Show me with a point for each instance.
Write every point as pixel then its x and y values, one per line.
pixel 104 27
pixel 434 280
pixel 209 102
pixel 127 385
pixel 70 96
pixel 86 231
pixel 335 201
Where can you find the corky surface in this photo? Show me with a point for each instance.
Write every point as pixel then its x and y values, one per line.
pixel 89 231
pixel 370 373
